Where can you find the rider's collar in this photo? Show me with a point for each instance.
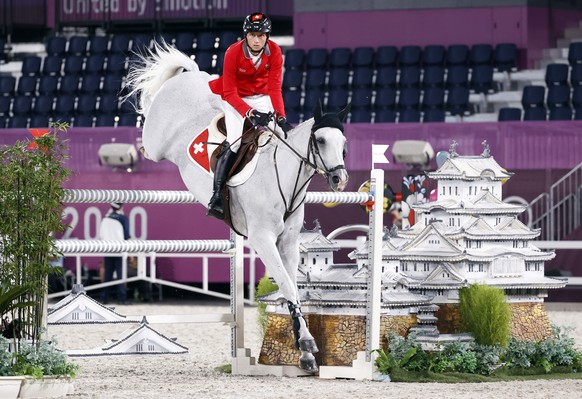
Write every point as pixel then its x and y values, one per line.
pixel 248 53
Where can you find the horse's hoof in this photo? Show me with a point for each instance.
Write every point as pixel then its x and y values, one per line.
pixel 308 345
pixel 307 363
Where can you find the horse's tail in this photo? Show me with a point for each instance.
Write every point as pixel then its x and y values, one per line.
pixel 147 75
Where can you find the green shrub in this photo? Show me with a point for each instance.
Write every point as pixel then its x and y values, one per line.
pixel 265 286
pixel 486 314
pixel 43 359
pixel 488 358
pixel 6 358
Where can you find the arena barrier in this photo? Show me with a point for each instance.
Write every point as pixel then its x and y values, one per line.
pixel 242 362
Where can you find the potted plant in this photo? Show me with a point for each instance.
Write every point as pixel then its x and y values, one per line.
pixel 31 193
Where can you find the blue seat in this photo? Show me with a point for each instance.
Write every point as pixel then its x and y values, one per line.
pixel 78 45
pixel 73 65
pixel 338 77
pixel 385 116
pixel 315 79
pixel 111 84
pixel 119 43
pixel 185 42
pixel 109 103
pixel 386 77
pixel 39 121
pixel 317 58
pixel 434 97
pixel 575 53
pixel 83 121
pixel 18 122
pixel 533 96
pixel 163 37
pixel 115 64
pixel 457 76
pixel 69 84
pixel 576 75
pixel 340 57
pixel 219 63
pixel 363 76
pixel 410 56
pixel 362 98
pixel 433 55
pixel 433 76
pixel 292 99
pixel 310 101
pixel 577 97
pixel 409 98
pixel 27 85
pixel 386 56
pixel 64 105
pixel 127 120
pixel 363 57
pixel 534 114
pixel 22 105
pixel 94 64
pixel 385 98
pixel 409 76
pixel 457 54
pixel 48 85
pixel 508 114
pixel 52 65
pixel 43 105
pixel 86 104
pixel 577 114
pixel 226 39
pixel 7 85
pixel 458 101
pixel 482 79
pixel 294 59
pixel 90 84
pixel 558 96
pixel 557 74
pixel 5 102
pixel 361 116
pixel 293 116
pixel 560 114
pixel 63 118
pixel 205 41
pixel 98 45
pixel 337 99
pixel 204 60
pixel 56 45
pixel 140 43
pixel 31 65
pixel 409 115
pixel 505 57
pixel 481 54
pixel 105 120
pixel 292 78
pixel 434 115
pixel 3 118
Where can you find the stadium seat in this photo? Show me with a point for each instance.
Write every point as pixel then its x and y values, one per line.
pixel 363 76
pixel 205 41
pixel 338 77
pixel 508 114
pixel 43 105
pixel 505 57
pixel 409 115
pixel 409 98
pixel 363 57
pixel 386 56
pixel 31 65
pixel 433 55
pixel 294 59
pixel 575 53
pixel 386 76
pixel 185 42
pixel 577 97
pixel 119 44
pixel 457 76
pixel 578 114
pixel 481 54
pixel 219 63
pixel 362 98
pixel 204 60
pixel 69 84
pixel 533 96
pixel 558 96
pixel 317 58
pixel 56 45
pixel 77 45
pixel 86 104
pixel 162 37
pixel 560 114
pixel 315 79
pixel 457 54
pixel 27 85
pixel 140 43
pixel 39 121
pixel 22 105
pixel 409 76
pixel 457 102
pixel 115 64
pixel 98 45
pixel 226 39
pixel 482 79
pixel 310 101
pixel 361 116
pixel 5 102
pixel 337 99
pixel 292 99
pixel 385 116
pixel 18 122
pixel 7 85
pixel 52 65
pixel 105 120
pixel 557 74
pixel 127 120
pixel 90 84
pixel 3 118
pixel 73 65
pixel 433 76
pixel 111 84
pixel 293 116
pixel 385 98
pixel 434 115
pixel 434 97
pixel 48 85
pixel 534 114
pixel 108 104
pixel 83 121
pixel 64 105
pixel 409 56
pixel 292 78
pixel 576 75
pixel 340 57
pixel 94 64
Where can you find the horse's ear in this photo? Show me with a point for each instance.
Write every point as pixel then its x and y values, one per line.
pixel 344 112
pixel 317 113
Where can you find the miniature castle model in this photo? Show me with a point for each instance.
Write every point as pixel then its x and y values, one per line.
pixel 468 235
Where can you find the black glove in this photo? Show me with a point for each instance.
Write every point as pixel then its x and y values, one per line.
pixel 258 118
pixel 284 125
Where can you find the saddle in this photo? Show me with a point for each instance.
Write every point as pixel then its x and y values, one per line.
pixel 248 148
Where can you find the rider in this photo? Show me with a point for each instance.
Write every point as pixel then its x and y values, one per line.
pixel 250 87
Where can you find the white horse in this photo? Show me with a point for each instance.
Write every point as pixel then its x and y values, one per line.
pixel 268 208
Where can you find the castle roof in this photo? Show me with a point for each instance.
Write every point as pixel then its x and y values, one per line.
pixel 315 241
pixel 483 204
pixel 470 168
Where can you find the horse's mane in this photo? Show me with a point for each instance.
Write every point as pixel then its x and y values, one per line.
pixel 150 70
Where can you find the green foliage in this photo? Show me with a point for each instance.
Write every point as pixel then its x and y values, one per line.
pixel 486 314
pixel 265 286
pixel 385 362
pixel 6 358
pixel 43 359
pixel 488 358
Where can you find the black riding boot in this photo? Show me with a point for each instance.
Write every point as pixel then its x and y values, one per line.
pixel 223 165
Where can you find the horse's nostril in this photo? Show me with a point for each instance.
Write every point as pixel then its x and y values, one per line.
pixel 336 180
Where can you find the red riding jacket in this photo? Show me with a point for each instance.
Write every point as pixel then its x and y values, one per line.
pixel 240 78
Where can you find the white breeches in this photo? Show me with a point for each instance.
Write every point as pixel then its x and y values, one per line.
pixel 234 121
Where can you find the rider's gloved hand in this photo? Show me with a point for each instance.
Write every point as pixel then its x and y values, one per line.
pixel 259 118
pixel 283 124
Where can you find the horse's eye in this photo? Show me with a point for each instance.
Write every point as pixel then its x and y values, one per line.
pixel 320 140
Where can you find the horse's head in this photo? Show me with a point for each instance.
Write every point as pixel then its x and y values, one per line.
pixel 328 146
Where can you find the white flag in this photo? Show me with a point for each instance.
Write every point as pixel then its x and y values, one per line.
pixel 378 154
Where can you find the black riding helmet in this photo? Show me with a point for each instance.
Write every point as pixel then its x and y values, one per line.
pixel 257 22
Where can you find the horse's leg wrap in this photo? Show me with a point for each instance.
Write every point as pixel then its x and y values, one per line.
pixel 304 343
pixel 307 362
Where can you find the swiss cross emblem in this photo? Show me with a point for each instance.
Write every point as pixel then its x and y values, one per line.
pixel 198 150
pixel 257 17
